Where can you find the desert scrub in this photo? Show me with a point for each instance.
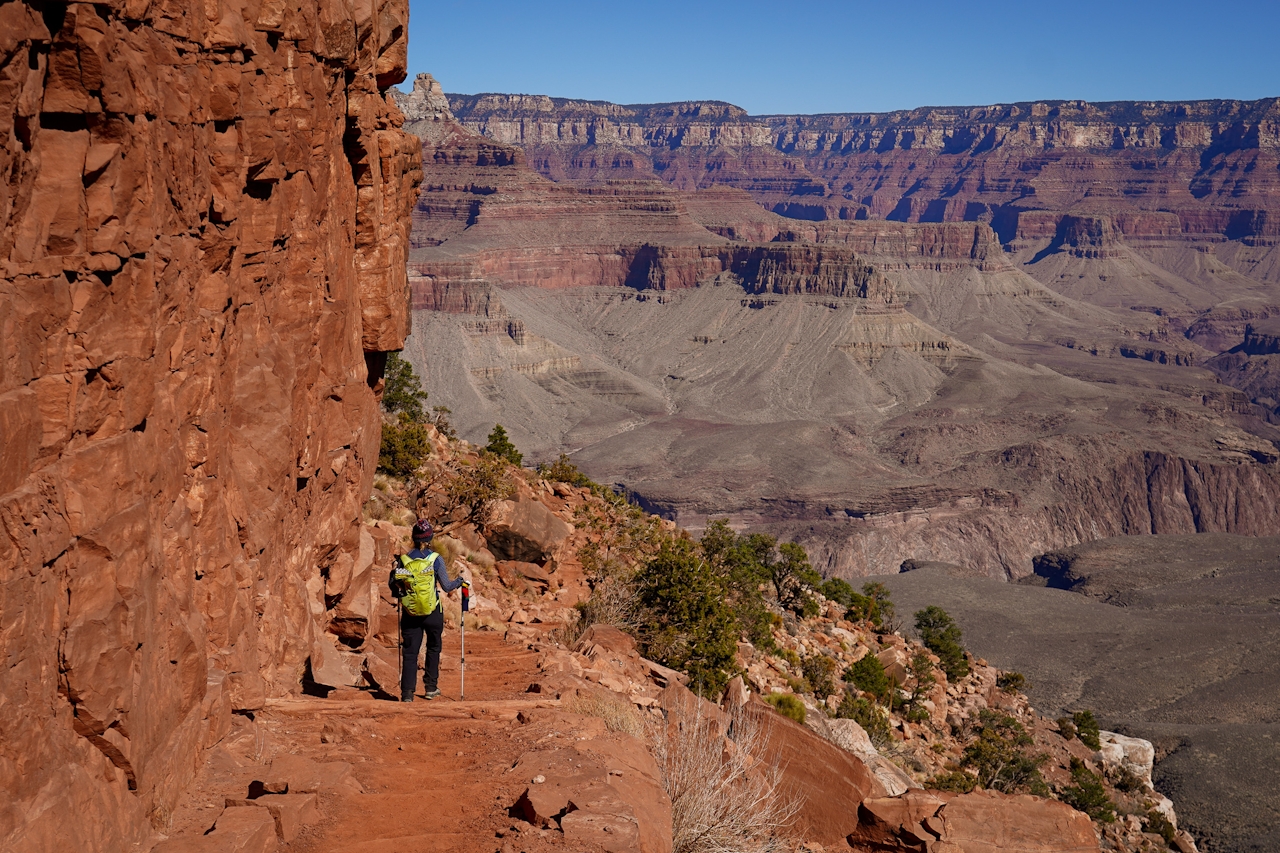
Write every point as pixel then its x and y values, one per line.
pixel 819 670
pixel 941 636
pixel 477 487
pixel 406 444
pixel 1087 729
pixel 954 780
pixel 1086 793
pixel 868 675
pixel 787 705
pixel 999 757
pixel 564 471
pixel 618 715
pixel 687 622
pixel 724 797
pixel 1011 682
pixel 872 718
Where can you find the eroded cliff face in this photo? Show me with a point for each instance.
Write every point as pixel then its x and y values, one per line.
pixel 203 228
pixel 1208 168
pixel 875 389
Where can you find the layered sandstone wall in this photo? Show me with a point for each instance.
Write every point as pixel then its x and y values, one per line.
pixel 203 228
pixel 1207 168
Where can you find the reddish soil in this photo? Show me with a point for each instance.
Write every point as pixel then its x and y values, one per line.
pixel 435 774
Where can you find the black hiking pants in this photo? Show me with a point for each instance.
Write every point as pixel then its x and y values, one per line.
pixel 412 630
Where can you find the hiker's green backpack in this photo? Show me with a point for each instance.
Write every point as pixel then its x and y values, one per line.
pixel 419 578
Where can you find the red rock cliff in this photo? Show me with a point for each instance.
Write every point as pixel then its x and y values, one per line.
pixel 204 215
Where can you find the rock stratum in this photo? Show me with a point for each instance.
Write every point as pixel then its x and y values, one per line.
pixel 203 229
pixel 977 335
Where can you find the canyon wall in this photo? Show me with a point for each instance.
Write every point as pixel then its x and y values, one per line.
pixel 617 282
pixel 204 219
pixel 1200 169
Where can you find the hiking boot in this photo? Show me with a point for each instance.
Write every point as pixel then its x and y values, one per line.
pixel 406 697
pixel 432 694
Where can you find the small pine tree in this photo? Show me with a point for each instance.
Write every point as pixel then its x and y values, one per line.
pixel 1087 729
pixel 942 637
pixel 405 446
pixel 868 675
pixel 402 389
pixel 499 445
pixel 793 578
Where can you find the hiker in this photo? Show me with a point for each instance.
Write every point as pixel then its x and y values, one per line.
pixel 413 581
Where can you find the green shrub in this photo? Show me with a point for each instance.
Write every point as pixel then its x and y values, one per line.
pixel 955 780
pixel 1159 824
pixel 743 563
pixel 921 678
pixel 1011 682
pixel 868 675
pixel 790 656
pixel 787 705
pixel 794 580
pixel 873 719
pixel 839 591
pixel 998 754
pixel 819 670
pixel 1086 793
pixel 402 389
pixel 1066 728
pixel 477 487
pixel 500 446
pixel 441 421
pixel 942 637
pixel 1087 729
pixel 874 606
pixel 564 471
pixel 687 621
pixel 405 446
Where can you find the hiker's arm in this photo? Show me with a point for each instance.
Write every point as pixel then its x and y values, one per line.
pixel 442 576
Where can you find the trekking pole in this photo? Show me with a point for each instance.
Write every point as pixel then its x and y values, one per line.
pixel 462 622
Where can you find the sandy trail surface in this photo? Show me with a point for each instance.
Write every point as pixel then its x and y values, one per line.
pixel 435 775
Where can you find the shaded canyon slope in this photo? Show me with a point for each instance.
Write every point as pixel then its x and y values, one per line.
pixel 203 230
pixel 877 389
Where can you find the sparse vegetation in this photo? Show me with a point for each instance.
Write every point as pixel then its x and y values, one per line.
pixel 998 756
pixel 618 714
pixel 921 678
pixel 868 675
pixel 874 606
pixel 872 718
pixel 1087 794
pixel 406 444
pixel 838 590
pixel 953 780
pixel 794 580
pixel 1087 729
pixel 688 623
pixel 1011 682
pixel 500 446
pixel 819 670
pixel 722 799
pixel 402 389
pixel 787 705
pixel 477 487
pixel 1157 823
pixel 564 471
pixel 942 637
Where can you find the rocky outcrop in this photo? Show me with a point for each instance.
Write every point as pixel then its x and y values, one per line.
pixel 203 229
pixel 980 822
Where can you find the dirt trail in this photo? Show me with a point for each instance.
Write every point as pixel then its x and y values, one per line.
pixel 435 774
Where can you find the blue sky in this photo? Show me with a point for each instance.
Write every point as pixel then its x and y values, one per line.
pixel 780 56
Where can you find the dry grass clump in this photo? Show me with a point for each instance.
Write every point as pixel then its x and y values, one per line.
pixel 618 715
pixel 724 797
